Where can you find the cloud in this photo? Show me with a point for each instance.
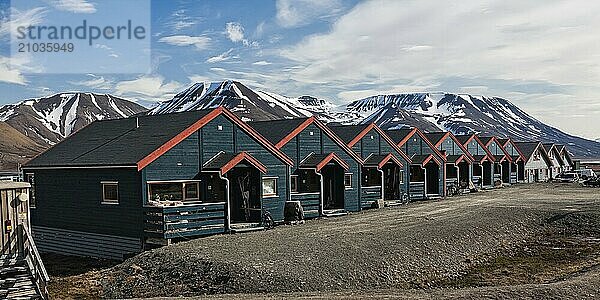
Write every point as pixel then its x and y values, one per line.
pixel 10 74
pixel 528 52
pixel 296 13
pixel 261 63
pixel 95 82
pixel 234 31
pixel 151 87
pixel 9 24
pixel 221 57
pixel 180 20
pixel 74 6
pixel 200 42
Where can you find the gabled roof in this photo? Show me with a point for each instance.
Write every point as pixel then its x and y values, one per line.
pixel 465 139
pixel 135 142
pixel 352 134
pixel 293 127
pixel 276 130
pixel 401 136
pixel 550 147
pixel 379 160
pixel 482 158
pixel 437 138
pixel 505 142
pixel 424 159
pixel 528 148
pixel 562 149
pixel 487 140
pixel 224 162
pixel 349 133
pixel 456 159
pixel 318 161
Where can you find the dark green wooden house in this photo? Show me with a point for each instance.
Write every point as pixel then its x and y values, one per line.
pixel 502 159
pixel 384 175
pixel 459 163
pixel 517 165
pixel 427 170
pixel 483 160
pixel 118 185
pixel 326 172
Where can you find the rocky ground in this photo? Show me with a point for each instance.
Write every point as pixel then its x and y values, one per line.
pixel 536 241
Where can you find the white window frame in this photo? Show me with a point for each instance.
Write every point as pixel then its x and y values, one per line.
pixel 32 195
pixel 348 187
pixel 292 179
pixel 109 201
pixel 182 182
pixel 276 189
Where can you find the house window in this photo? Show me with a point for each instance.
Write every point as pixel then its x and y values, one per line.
pixel 269 187
pixel 30 177
pixel 110 192
pixel 348 180
pixel 371 177
pixel 191 191
pixel 294 183
pixel 174 191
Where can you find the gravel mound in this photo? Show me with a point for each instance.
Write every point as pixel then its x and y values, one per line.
pixel 414 246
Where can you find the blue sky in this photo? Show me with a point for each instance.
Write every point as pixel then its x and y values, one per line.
pixel 542 55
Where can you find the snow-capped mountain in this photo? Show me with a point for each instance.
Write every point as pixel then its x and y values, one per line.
pixel 49 120
pixel 460 113
pixel 248 104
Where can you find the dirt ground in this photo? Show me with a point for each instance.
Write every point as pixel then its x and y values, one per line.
pixel 527 241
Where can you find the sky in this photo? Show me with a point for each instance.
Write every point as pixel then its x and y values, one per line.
pixel 544 56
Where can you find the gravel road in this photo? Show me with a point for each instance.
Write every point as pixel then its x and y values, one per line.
pixel 413 251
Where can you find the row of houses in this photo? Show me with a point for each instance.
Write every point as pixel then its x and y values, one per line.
pixel 117 187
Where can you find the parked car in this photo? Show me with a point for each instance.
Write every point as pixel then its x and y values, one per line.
pixel 585 173
pixel 591 182
pixel 567 177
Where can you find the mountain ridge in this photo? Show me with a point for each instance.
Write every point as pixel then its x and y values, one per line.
pixel 431 111
pixel 48 120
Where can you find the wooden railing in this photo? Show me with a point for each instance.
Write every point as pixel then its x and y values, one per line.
pixel 184 221
pixel 34 262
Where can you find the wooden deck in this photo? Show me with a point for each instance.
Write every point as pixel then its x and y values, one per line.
pixel 185 221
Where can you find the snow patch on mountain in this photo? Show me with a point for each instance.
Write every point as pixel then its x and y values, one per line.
pixel 51 119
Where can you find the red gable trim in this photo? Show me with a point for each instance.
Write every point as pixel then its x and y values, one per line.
pixel 334 157
pixel 241 157
pixel 459 159
pixel 326 130
pixel 259 138
pixel 407 137
pixel 361 135
pixel 295 132
pixel 488 154
pixel 391 143
pixel 420 133
pixel 442 139
pixel 430 158
pixel 388 158
pixel 201 123
pixel 178 138
pixel 521 155
pixel 468 155
pixel 485 157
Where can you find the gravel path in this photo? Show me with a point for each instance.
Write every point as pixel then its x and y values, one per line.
pixel 401 248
